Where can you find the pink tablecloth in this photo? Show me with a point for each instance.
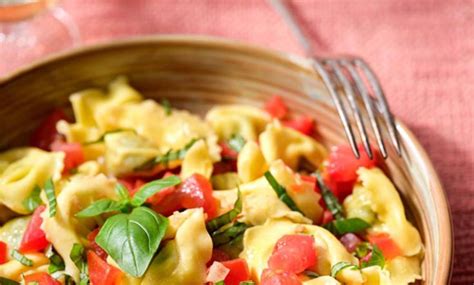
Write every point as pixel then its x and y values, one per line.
pixel 423 52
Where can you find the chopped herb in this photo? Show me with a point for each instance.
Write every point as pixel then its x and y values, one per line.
pixel 171 155
pixel 311 274
pixel 362 249
pixel 236 142
pixel 376 258
pixel 338 267
pixel 15 254
pixel 6 281
pixel 100 207
pixel 225 218
pixel 77 256
pixel 248 282
pixel 102 137
pixel 219 282
pixel 281 192
pixel 51 195
pixel 344 226
pixel 56 263
pixel 331 201
pixel 167 106
pixel 34 200
pixel 226 235
pixel 152 188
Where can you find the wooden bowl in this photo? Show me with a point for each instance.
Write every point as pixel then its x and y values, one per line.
pixel 198 72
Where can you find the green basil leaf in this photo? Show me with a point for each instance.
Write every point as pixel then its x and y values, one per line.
pixel 167 106
pixel 122 192
pixel 376 258
pixel 248 282
pixel 15 254
pixel 152 188
pixel 281 192
pixel 102 137
pixel 331 201
pixel 236 142
pixel 133 239
pixel 78 256
pixel 171 155
pixel 336 268
pixel 100 207
pixel 344 226
pixel 223 236
pixel 311 274
pixel 34 200
pixel 56 263
pixel 226 218
pixel 6 281
pixel 362 249
pixel 219 282
pixel 51 196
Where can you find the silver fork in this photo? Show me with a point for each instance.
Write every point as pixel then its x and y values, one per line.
pixel 345 76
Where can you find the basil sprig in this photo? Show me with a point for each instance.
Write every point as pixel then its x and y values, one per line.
pixel 338 267
pixel 331 201
pixel 229 234
pixel 236 142
pixel 15 254
pixel 34 200
pixel 226 218
pixel 133 239
pixel 78 256
pixel 164 159
pixel 376 259
pixel 125 203
pixel 281 192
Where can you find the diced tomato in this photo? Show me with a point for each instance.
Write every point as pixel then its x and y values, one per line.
pixel 196 191
pixel 100 272
pixel 386 244
pixel 276 107
pixel 216 272
pixel 303 124
pixel 74 154
pixel 94 246
pixel 46 133
pixel 239 271
pixel 3 252
pixel 224 166
pixel 310 179
pixel 327 217
pixel 40 278
pixel 34 238
pixel 218 255
pixel 293 253
pixel 158 197
pixel 271 277
pixel 227 151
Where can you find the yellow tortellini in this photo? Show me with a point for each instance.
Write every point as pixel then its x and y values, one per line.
pixel 250 163
pixel 63 230
pixel 280 142
pixel 197 160
pixel 247 121
pixel 21 169
pixel 182 260
pixel 322 280
pixel 404 270
pixel 13 269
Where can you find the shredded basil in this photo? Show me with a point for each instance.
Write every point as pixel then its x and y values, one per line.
pixel 34 200
pixel 226 235
pixel 281 192
pixel 51 196
pixel 311 274
pixel 152 188
pixel 376 258
pixel 102 137
pixel 78 256
pixel 171 155
pixel 344 226
pixel 362 249
pixel 331 201
pixel 167 106
pixel 56 263
pixel 219 282
pixel 236 142
pixel 226 218
pixel 338 267
pixel 15 254
pixel 248 282
pixel 100 207
pixel 6 281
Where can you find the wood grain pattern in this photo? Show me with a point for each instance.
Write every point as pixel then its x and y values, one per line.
pixel 196 73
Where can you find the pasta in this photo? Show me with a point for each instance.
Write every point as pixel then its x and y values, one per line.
pixel 137 192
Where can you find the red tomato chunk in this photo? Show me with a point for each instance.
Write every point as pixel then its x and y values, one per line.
pixel 270 277
pixel 74 155
pixel 276 107
pixel 302 124
pixel 239 271
pixel 386 244
pixel 293 254
pixel 41 278
pixel 3 252
pixel 100 272
pixel 46 133
pixel 34 238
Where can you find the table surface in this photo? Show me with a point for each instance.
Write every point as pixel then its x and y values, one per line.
pixel 423 52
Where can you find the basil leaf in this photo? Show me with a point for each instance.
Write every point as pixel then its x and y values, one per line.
pixel 51 196
pixel 311 274
pixel 220 282
pixel 344 226
pixel 248 282
pixel 376 258
pixel 152 188
pixel 167 106
pixel 236 142
pixel 331 201
pixel 227 235
pixel 77 256
pixel 56 263
pixel 34 200
pixel 100 207
pixel 336 268
pixel 122 192
pixel 226 218
pixel 281 192
pixel 133 239
pixel 362 249
pixel 15 254
pixel 171 155
pixel 102 137
pixel 6 281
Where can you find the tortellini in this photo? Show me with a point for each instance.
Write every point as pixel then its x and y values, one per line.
pixel 63 230
pixel 250 163
pixel 247 121
pixel 280 142
pixel 404 270
pixel 182 260
pixel 13 269
pixel 197 160
pixel 22 169
pixel 11 233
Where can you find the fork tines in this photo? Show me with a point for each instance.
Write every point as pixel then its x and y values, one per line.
pixel 344 79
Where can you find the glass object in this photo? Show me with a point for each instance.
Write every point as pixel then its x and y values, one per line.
pixel 30 29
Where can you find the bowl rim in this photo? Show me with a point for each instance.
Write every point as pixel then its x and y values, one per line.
pixel 421 156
